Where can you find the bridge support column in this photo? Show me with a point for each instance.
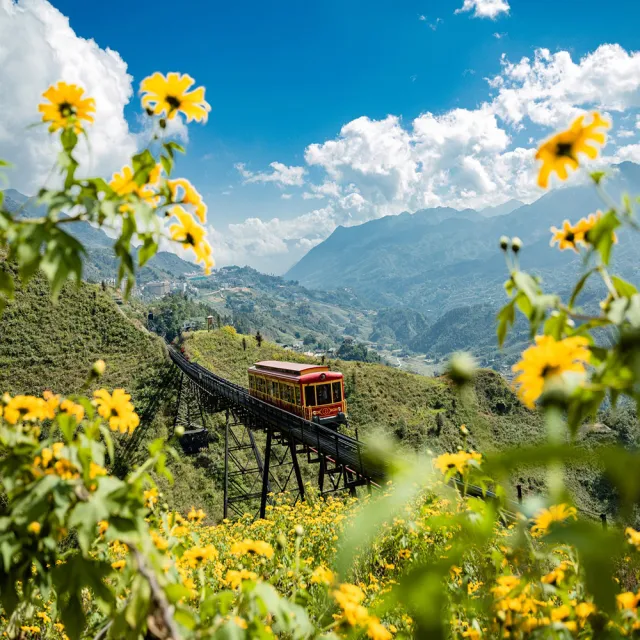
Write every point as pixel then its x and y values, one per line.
pixel 265 475
pixel 296 467
pixel 225 510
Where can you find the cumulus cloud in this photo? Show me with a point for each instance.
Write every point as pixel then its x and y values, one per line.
pixel 551 89
pixel 38 48
pixel 485 8
pixel 281 174
pixel 474 157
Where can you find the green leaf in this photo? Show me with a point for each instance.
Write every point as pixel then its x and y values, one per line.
pixel 622 287
pixel 167 164
pixel 601 237
pixel 506 318
pixel 147 250
pixel 579 286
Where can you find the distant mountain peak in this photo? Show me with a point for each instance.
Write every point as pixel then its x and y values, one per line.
pixel 502 209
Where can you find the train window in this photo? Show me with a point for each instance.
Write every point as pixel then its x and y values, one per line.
pixel 337 392
pixel 298 396
pixel 288 393
pixel 252 383
pixel 261 385
pixel 323 392
pixel 273 390
pixel 310 396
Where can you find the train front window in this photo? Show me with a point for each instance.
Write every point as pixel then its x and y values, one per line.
pixel 310 396
pixel 323 392
pixel 337 392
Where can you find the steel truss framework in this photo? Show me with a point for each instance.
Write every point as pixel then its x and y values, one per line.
pixel 253 474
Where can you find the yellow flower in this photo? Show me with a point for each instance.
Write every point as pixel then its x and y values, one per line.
pixel 190 196
pixel 240 622
pixel 546 517
pixel 546 359
pixel 150 497
pixel 43 616
pixel 103 525
pixel 196 516
pixel 627 600
pixel 568 237
pixel 160 543
pixel 198 555
pixel 376 630
pixel 27 409
pixel 560 613
pixel 235 578
pixel 95 471
pixel 66 107
pixel 117 408
pixel 118 565
pixel 170 95
pixel 633 536
pixel 52 399
pixel 561 151
pixel 34 527
pixel 585 225
pixel 322 575
pixel 190 233
pixel 585 609
pixel 458 461
pixel 124 183
pixel 250 546
pixel 72 409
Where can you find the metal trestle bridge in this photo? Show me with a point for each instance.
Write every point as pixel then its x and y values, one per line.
pixel 251 477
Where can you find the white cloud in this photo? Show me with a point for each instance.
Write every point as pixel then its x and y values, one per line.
pixel 472 157
pixel 281 174
pixel 499 35
pixel 625 133
pixel 551 89
pixel 485 8
pixel 286 196
pixel 38 48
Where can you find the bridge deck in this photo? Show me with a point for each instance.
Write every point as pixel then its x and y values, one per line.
pixel 337 447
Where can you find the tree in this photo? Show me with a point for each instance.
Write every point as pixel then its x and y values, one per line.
pixel 244 343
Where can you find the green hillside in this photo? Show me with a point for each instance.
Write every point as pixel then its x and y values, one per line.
pixel 52 346
pixel 397 402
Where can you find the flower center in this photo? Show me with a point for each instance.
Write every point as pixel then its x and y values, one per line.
pixel 66 110
pixel 173 102
pixel 570 237
pixel 550 370
pixel 190 240
pixel 564 150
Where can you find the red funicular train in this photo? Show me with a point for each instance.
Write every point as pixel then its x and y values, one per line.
pixel 308 390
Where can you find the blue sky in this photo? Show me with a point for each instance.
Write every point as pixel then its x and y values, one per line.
pixel 282 76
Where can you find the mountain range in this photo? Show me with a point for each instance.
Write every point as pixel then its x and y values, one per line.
pixel 436 260
pixel 101 262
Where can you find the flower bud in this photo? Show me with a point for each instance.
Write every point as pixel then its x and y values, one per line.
pixel 463 430
pixel 98 367
pixel 516 244
pixel 299 531
pixel 163 123
pixel 149 111
pixel 179 431
pixel 504 243
pixel 461 368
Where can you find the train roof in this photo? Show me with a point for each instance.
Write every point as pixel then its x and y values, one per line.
pixel 289 368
